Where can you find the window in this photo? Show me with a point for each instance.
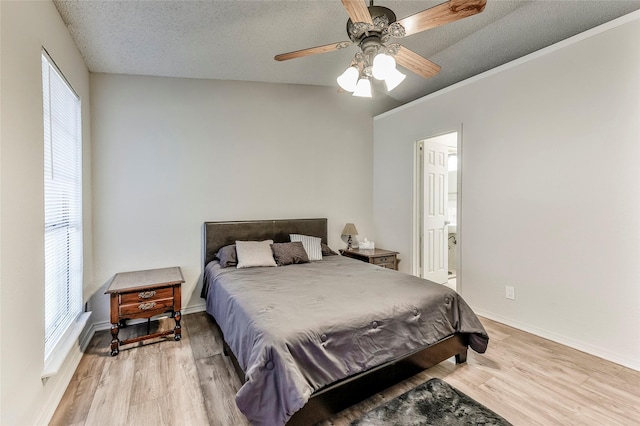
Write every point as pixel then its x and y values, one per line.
pixel 62 204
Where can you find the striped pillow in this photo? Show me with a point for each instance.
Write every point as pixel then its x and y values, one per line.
pixel 312 245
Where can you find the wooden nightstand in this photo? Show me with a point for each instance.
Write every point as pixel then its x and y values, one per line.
pixel 385 258
pixel 143 294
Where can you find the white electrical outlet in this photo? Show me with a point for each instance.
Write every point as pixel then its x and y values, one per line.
pixel 510 292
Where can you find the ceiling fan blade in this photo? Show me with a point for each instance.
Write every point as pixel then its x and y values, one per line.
pixel 444 13
pixel 358 11
pixel 312 51
pixel 416 63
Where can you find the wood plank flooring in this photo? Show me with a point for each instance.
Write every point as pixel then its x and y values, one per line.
pixel 526 379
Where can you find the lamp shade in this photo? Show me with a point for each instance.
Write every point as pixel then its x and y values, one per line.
pixel 348 79
pixel 363 88
pixel 393 79
pixel 349 229
pixel 383 65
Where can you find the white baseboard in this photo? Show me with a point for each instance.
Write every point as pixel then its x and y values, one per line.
pixel 194 308
pixel 63 376
pixel 603 353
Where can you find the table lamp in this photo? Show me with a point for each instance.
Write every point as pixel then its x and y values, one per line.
pixel 349 229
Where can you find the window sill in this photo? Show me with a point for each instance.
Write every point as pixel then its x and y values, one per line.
pixel 54 362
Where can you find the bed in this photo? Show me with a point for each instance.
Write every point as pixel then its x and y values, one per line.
pixel 309 340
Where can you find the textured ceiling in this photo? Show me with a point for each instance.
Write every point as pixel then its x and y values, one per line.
pixel 237 40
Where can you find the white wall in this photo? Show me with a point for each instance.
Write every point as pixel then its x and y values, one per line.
pixel 170 154
pixel 550 188
pixel 26 27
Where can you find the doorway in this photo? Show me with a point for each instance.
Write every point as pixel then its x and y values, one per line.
pixel 436 225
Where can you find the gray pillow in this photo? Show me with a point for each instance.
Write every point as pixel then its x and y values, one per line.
pixel 326 250
pixel 289 253
pixel 311 245
pixel 227 256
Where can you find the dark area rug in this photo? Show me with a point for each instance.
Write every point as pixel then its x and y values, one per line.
pixel 432 403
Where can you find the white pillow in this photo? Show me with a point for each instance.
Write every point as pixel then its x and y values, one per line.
pixel 312 245
pixel 254 253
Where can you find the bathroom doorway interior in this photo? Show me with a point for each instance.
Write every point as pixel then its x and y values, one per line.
pixel 437 238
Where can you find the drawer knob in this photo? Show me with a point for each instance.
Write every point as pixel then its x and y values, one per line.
pixel 146 306
pixel 146 294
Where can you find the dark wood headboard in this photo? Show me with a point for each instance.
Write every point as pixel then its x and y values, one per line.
pixel 220 234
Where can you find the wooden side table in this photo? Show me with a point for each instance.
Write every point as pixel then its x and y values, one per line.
pixel 144 294
pixel 384 258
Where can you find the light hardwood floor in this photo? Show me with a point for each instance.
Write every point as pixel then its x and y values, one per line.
pixel 526 379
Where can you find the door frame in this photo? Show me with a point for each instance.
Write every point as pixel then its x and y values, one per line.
pixel 418 202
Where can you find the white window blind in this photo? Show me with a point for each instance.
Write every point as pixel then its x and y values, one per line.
pixel 62 204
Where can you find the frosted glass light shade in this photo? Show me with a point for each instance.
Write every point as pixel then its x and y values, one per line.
pixel 383 65
pixel 393 79
pixel 363 88
pixel 348 79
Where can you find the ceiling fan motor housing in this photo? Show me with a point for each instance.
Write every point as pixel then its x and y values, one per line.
pixel 381 17
pixel 370 47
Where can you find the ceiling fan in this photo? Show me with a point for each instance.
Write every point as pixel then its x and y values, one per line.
pixel 372 28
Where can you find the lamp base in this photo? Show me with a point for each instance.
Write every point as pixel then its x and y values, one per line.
pixel 349 247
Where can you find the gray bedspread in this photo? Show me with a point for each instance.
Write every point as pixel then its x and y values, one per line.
pixel 294 329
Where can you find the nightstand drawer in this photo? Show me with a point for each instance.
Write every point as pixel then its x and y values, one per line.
pixel 146 306
pixel 383 259
pixel 146 295
pixel 379 257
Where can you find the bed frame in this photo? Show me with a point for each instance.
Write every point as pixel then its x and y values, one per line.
pixel 335 397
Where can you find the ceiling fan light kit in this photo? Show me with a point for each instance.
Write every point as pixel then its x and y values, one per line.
pixel 383 68
pixel 372 27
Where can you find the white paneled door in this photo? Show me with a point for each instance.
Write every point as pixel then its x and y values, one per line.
pixel 434 233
